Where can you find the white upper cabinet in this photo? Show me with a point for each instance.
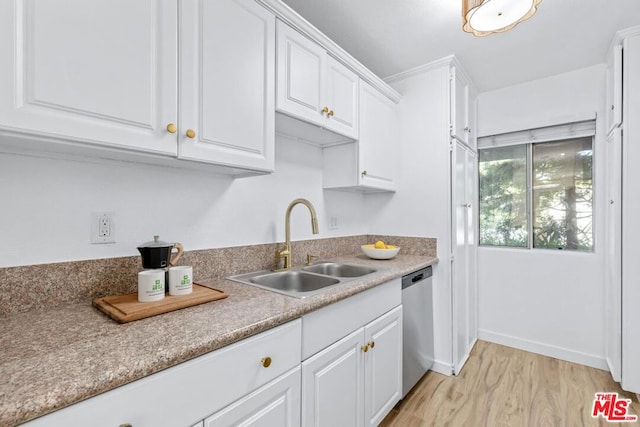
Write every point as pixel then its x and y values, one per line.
pixel 462 108
pixel 105 74
pixel 342 99
pixel 88 72
pixel 369 164
pixel 614 88
pixel 227 62
pixel 314 87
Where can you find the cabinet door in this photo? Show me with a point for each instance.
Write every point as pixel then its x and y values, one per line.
pixel 301 76
pixel 332 385
pixel 275 404
pixel 378 143
pixel 343 87
pixel 463 276
pixel 459 106
pixel 613 254
pixel 383 366
pixel 472 116
pixel 101 73
pixel 614 88
pixel 227 60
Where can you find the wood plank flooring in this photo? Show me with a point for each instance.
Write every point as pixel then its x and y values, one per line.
pixel 501 386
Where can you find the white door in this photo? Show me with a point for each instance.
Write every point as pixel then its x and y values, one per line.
pixel 275 404
pixel 463 280
pixel 378 142
pixel 343 86
pixel 100 73
pixel 332 385
pixel 613 254
pixel 383 366
pixel 227 62
pixel 471 229
pixel 301 76
pixel 630 380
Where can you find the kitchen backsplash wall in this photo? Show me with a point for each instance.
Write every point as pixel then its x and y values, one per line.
pixel 47 205
pixel 42 286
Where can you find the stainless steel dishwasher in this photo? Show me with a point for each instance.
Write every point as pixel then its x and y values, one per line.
pixel 417 327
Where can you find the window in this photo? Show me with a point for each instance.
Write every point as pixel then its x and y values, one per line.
pixel 537 195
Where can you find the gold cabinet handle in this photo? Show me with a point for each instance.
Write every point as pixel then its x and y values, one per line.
pixel 325 110
pixel 172 128
pixel 190 133
pixel 330 113
pixel 365 348
pixel 266 361
pixel 372 344
pixel 127 424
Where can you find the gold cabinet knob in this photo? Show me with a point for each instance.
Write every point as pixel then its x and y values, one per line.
pixel 172 128
pixel 365 348
pixel 266 361
pixel 190 133
pixel 325 110
pixel 330 113
pixel 372 344
pixel 363 174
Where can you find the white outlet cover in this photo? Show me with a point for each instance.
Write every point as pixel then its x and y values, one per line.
pixel 95 228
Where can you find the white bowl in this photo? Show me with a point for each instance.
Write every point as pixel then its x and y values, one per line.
pixel 379 253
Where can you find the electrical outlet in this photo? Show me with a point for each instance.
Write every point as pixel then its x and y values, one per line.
pixel 102 228
pixel 333 222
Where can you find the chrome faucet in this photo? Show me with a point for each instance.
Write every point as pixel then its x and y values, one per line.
pixel 285 252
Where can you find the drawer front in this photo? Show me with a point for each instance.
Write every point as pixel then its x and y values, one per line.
pixel 189 392
pixel 327 325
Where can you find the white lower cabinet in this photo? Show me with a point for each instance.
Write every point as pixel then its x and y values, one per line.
pixel 235 375
pixel 275 404
pixel 352 376
pixel 333 384
pixel 357 380
pixel 383 366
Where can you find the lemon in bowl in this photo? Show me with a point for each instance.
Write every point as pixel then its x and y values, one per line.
pixel 380 250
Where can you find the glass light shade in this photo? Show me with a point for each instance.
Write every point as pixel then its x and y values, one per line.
pixel 484 17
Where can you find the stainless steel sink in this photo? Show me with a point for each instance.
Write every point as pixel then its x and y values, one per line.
pixel 339 270
pixel 305 281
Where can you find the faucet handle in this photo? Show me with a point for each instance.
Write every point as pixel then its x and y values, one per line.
pixel 284 253
pixel 310 258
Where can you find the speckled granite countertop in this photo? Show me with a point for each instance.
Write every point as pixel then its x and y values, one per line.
pixel 52 359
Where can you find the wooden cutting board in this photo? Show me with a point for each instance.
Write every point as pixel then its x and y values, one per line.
pixel 126 308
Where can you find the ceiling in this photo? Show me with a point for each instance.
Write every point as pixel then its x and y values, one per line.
pixel 389 37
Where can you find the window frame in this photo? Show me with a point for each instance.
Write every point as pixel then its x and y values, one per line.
pixel 586 129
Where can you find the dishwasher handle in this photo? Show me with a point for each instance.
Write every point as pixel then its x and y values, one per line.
pixel 416 277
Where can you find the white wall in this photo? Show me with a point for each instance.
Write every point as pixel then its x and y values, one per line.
pixel 420 205
pixel 46 206
pixel 547 301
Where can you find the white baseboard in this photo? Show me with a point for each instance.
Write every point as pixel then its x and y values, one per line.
pixel 615 375
pixel 545 349
pixel 442 368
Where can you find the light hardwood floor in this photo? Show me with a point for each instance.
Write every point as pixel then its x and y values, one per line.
pixel 502 386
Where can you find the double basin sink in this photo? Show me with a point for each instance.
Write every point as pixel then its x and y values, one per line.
pixel 304 281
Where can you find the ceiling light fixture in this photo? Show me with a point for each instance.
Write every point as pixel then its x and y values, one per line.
pixel 484 17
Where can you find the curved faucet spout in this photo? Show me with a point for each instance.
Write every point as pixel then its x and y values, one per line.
pixel 286 251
